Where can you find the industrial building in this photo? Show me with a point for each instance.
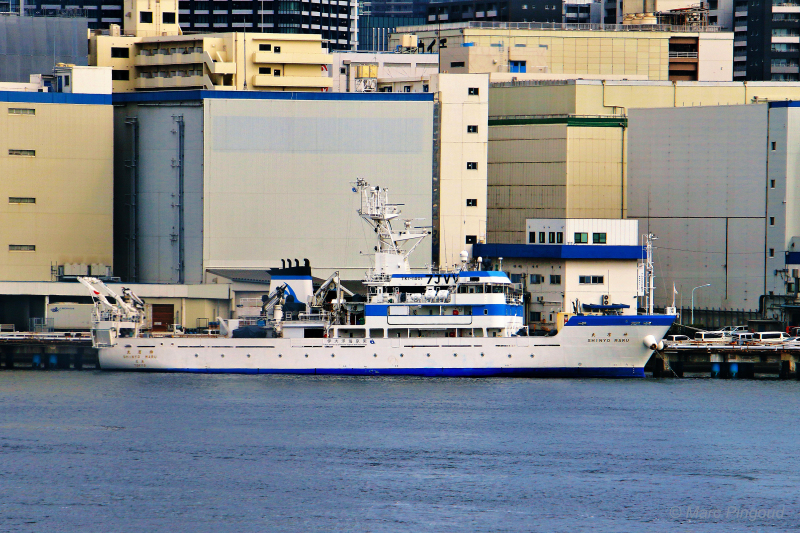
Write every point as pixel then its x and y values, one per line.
pixel 56 161
pixel 572 266
pixel 153 55
pixel 35 44
pixel 211 180
pixel 719 187
pixel 529 50
pixel 558 149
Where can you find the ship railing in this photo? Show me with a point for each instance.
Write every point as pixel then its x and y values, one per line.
pixel 321 316
pixel 254 320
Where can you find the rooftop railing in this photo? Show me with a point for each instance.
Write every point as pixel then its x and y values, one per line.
pixel 559 26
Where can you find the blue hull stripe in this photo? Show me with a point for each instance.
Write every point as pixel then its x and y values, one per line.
pixel 620 320
pixel 579 372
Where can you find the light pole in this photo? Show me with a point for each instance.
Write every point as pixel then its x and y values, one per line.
pixel 698 287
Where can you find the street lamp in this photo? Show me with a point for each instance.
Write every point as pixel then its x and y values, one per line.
pixel 698 287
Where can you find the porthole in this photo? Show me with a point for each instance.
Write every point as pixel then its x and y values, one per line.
pixel 333 355
pixel 222 355
pixel 531 356
pixel 401 355
pixel 195 355
pixel 481 354
pixel 248 356
pixel 429 355
pixel 455 355
pixel 279 355
pixel 509 356
pixel 306 355
pixel 374 355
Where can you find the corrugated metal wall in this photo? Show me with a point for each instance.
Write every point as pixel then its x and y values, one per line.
pixel 697 179
pixel 33 45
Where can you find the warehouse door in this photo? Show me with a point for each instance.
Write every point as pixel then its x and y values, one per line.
pixel 163 316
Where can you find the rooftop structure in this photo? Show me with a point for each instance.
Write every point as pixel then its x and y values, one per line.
pixel 658 52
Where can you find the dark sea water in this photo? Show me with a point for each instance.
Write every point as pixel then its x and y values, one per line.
pixel 95 451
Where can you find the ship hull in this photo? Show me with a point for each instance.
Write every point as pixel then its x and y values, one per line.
pixel 604 348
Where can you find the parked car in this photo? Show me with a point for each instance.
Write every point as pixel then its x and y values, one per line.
pixel 676 338
pixel 770 337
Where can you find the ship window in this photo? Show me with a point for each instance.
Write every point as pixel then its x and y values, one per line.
pixel 277 50
pixel 541 237
pixel 277 72
pixel 772 252
pixel 21 200
pixel 21 247
pixel 472 91
pixel 29 111
pixel 552 236
pixel 168 17
pixel 26 153
pixel 581 238
pixel 472 239
pixel 485 311
pixel 472 129
pixel 771 221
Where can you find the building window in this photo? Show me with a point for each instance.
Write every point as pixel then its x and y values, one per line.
pixel 581 238
pixel 515 278
pixel 265 70
pixel 772 252
pixel 120 75
pixel 774 146
pixel 552 237
pixel 555 279
pixel 590 280
pixel 771 221
pixel 598 238
pixel 26 153
pixel 146 17
pixel 536 279
pixel 268 48
pixel 541 237
pixel 771 184
pixel 456 64
pixel 472 91
pixel 117 51
pixel 472 129
pixel 472 165
pixel 531 237
pixel 425 88
pixel 536 316
pixel 276 72
pixel 472 239
pixel 406 88
pixel 21 247
pixel 168 17
pixel 21 111
pixel 472 202
pixel 277 50
pixel 21 200
pixel 559 238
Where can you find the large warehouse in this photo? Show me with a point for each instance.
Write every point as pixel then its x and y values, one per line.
pixel 215 181
pixel 719 187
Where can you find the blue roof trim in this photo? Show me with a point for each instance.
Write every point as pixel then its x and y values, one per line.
pixel 785 104
pixel 620 320
pixel 558 251
pixel 298 277
pixel 55 98
pixel 176 96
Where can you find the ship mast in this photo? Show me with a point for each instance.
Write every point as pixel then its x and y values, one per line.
pixel 390 256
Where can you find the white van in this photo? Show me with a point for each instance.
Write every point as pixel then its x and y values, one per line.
pixel 741 337
pixel 770 337
pixel 709 336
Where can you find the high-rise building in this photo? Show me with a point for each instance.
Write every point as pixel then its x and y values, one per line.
pixel 335 20
pixel 767 40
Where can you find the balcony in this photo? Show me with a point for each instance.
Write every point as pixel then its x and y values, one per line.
pixel 740 13
pixel 785 69
pixel 784 39
pixel 739 59
pixel 175 82
pixel 786 9
pixel 291 58
pixel 264 80
pixel 216 67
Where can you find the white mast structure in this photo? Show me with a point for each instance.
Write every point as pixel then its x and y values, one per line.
pixel 649 270
pixel 390 257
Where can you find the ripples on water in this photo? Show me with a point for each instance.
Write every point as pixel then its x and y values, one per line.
pixel 94 451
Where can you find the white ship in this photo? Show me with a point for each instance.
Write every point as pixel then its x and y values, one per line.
pixel 461 323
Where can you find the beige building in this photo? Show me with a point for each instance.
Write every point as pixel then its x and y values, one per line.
pixel 56 191
pixel 558 149
pixel 364 72
pixel 150 54
pixel 532 49
pixel 462 164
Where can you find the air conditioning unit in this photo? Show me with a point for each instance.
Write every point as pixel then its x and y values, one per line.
pixel 540 298
pixel 605 299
